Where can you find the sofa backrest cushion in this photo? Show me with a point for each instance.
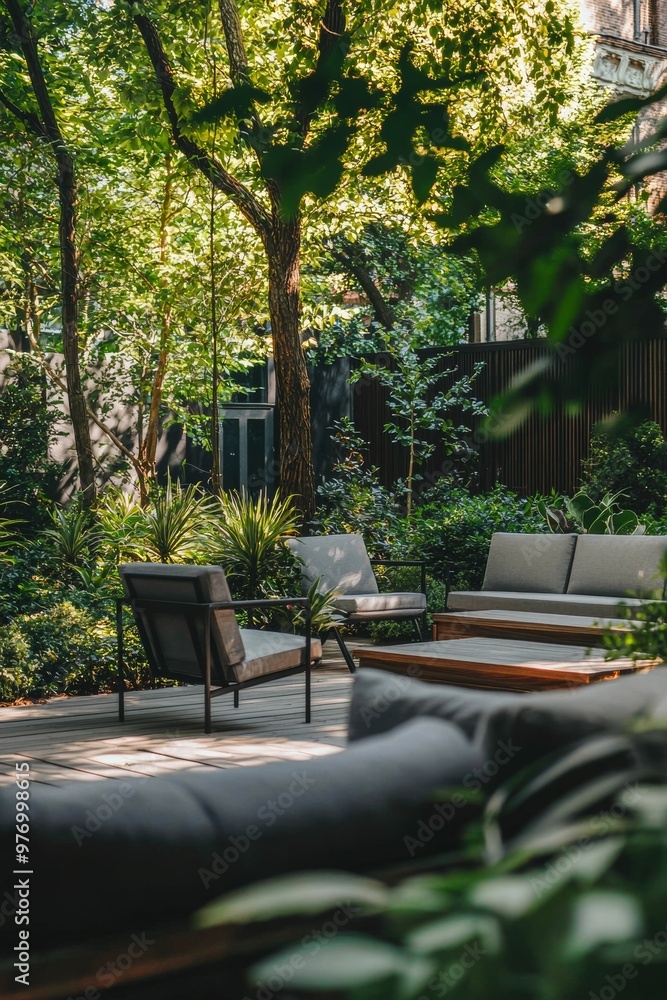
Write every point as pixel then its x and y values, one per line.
pixel 529 563
pixel 618 565
pixel 546 722
pixel 340 560
pixel 179 840
pixel 174 638
pixel 514 729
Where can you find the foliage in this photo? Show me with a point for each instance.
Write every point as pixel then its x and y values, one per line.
pixel 645 635
pixel 26 430
pixel 634 461
pixel 582 513
pixel 352 500
pixel 8 526
pixel 409 378
pixel 451 529
pixel 247 541
pixel 422 289
pixel 63 650
pixel 174 528
pixel 73 536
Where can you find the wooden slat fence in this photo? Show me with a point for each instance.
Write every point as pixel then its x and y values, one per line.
pixel 545 452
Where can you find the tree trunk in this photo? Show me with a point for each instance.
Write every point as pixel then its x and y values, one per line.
pixel 69 265
pixel 296 472
pixel 148 447
pixel 46 127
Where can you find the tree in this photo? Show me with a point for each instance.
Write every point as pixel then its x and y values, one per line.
pixel 45 126
pixel 410 378
pixel 279 233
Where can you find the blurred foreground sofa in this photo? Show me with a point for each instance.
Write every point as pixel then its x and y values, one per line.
pixel 126 865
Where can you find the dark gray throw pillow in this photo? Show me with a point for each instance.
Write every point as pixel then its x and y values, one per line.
pixel 542 723
pixel 512 729
pixel 383 700
pixel 122 857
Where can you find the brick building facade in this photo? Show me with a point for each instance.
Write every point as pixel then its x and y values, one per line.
pixel 630 60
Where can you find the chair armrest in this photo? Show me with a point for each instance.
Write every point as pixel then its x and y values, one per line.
pixel 303 602
pixel 405 562
pixel 398 562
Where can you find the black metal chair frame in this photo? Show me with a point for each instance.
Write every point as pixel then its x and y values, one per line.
pixel 419 620
pixel 203 611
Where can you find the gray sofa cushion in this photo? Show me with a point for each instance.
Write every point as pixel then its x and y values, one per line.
pixel 340 560
pixel 525 562
pixel 166 633
pixel 368 605
pixel 543 723
pixel 617 565
pixel 269 652
pixel 523 727
pixel 177 841
pixel 381 701
pixel 552 604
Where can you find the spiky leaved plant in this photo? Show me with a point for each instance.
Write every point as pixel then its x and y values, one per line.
pixel 248 541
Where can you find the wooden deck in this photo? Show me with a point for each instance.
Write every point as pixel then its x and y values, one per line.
pixel 69 739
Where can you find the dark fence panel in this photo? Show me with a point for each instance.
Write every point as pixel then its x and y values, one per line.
pixel 544 452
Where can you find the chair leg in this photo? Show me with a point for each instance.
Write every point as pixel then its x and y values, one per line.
pixel 419 628
pixel 121 656
pixel 236 698
pixel 347 656
pixel 308 669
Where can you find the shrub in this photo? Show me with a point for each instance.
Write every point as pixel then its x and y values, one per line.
pixel 352 500
pixel 62 650
pixel 452 530
pixel 248 543
pixel 26 429
pixel 634 462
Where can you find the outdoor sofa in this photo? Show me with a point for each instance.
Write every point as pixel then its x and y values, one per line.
pixel 116 859
pixel 568 574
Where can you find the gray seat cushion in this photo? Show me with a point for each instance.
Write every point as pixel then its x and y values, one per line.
pixel 271 652
pixel 525 562
pixel 340 560
pixel 379 605
pixel 552 604
pixel 617 565
pixel 166 633
pixel 177 841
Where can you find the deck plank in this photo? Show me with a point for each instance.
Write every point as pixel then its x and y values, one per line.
pixel 81 739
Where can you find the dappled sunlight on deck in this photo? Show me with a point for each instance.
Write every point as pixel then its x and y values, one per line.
pixel 80 739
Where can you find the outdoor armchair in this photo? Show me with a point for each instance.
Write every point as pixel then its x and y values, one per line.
pixel 187 623
pixel 341 563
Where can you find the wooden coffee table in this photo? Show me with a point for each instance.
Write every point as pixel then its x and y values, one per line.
pixel 565 630
pixel 498 663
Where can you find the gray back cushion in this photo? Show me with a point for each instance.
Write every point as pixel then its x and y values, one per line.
pixel 340 560
pixel 513 729
pixel 618 565
pixel 529 563
pixel 174 639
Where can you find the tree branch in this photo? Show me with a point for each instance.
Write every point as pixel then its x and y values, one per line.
pixel 351 263
pixel 332 32
pixel 48 124
pixel 249 206
pixel 57 381
pixel 31 121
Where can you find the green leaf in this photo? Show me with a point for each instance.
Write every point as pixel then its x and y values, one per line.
pixel 347 962
pixel 424 175
pixel 303 893
pixel 603 918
